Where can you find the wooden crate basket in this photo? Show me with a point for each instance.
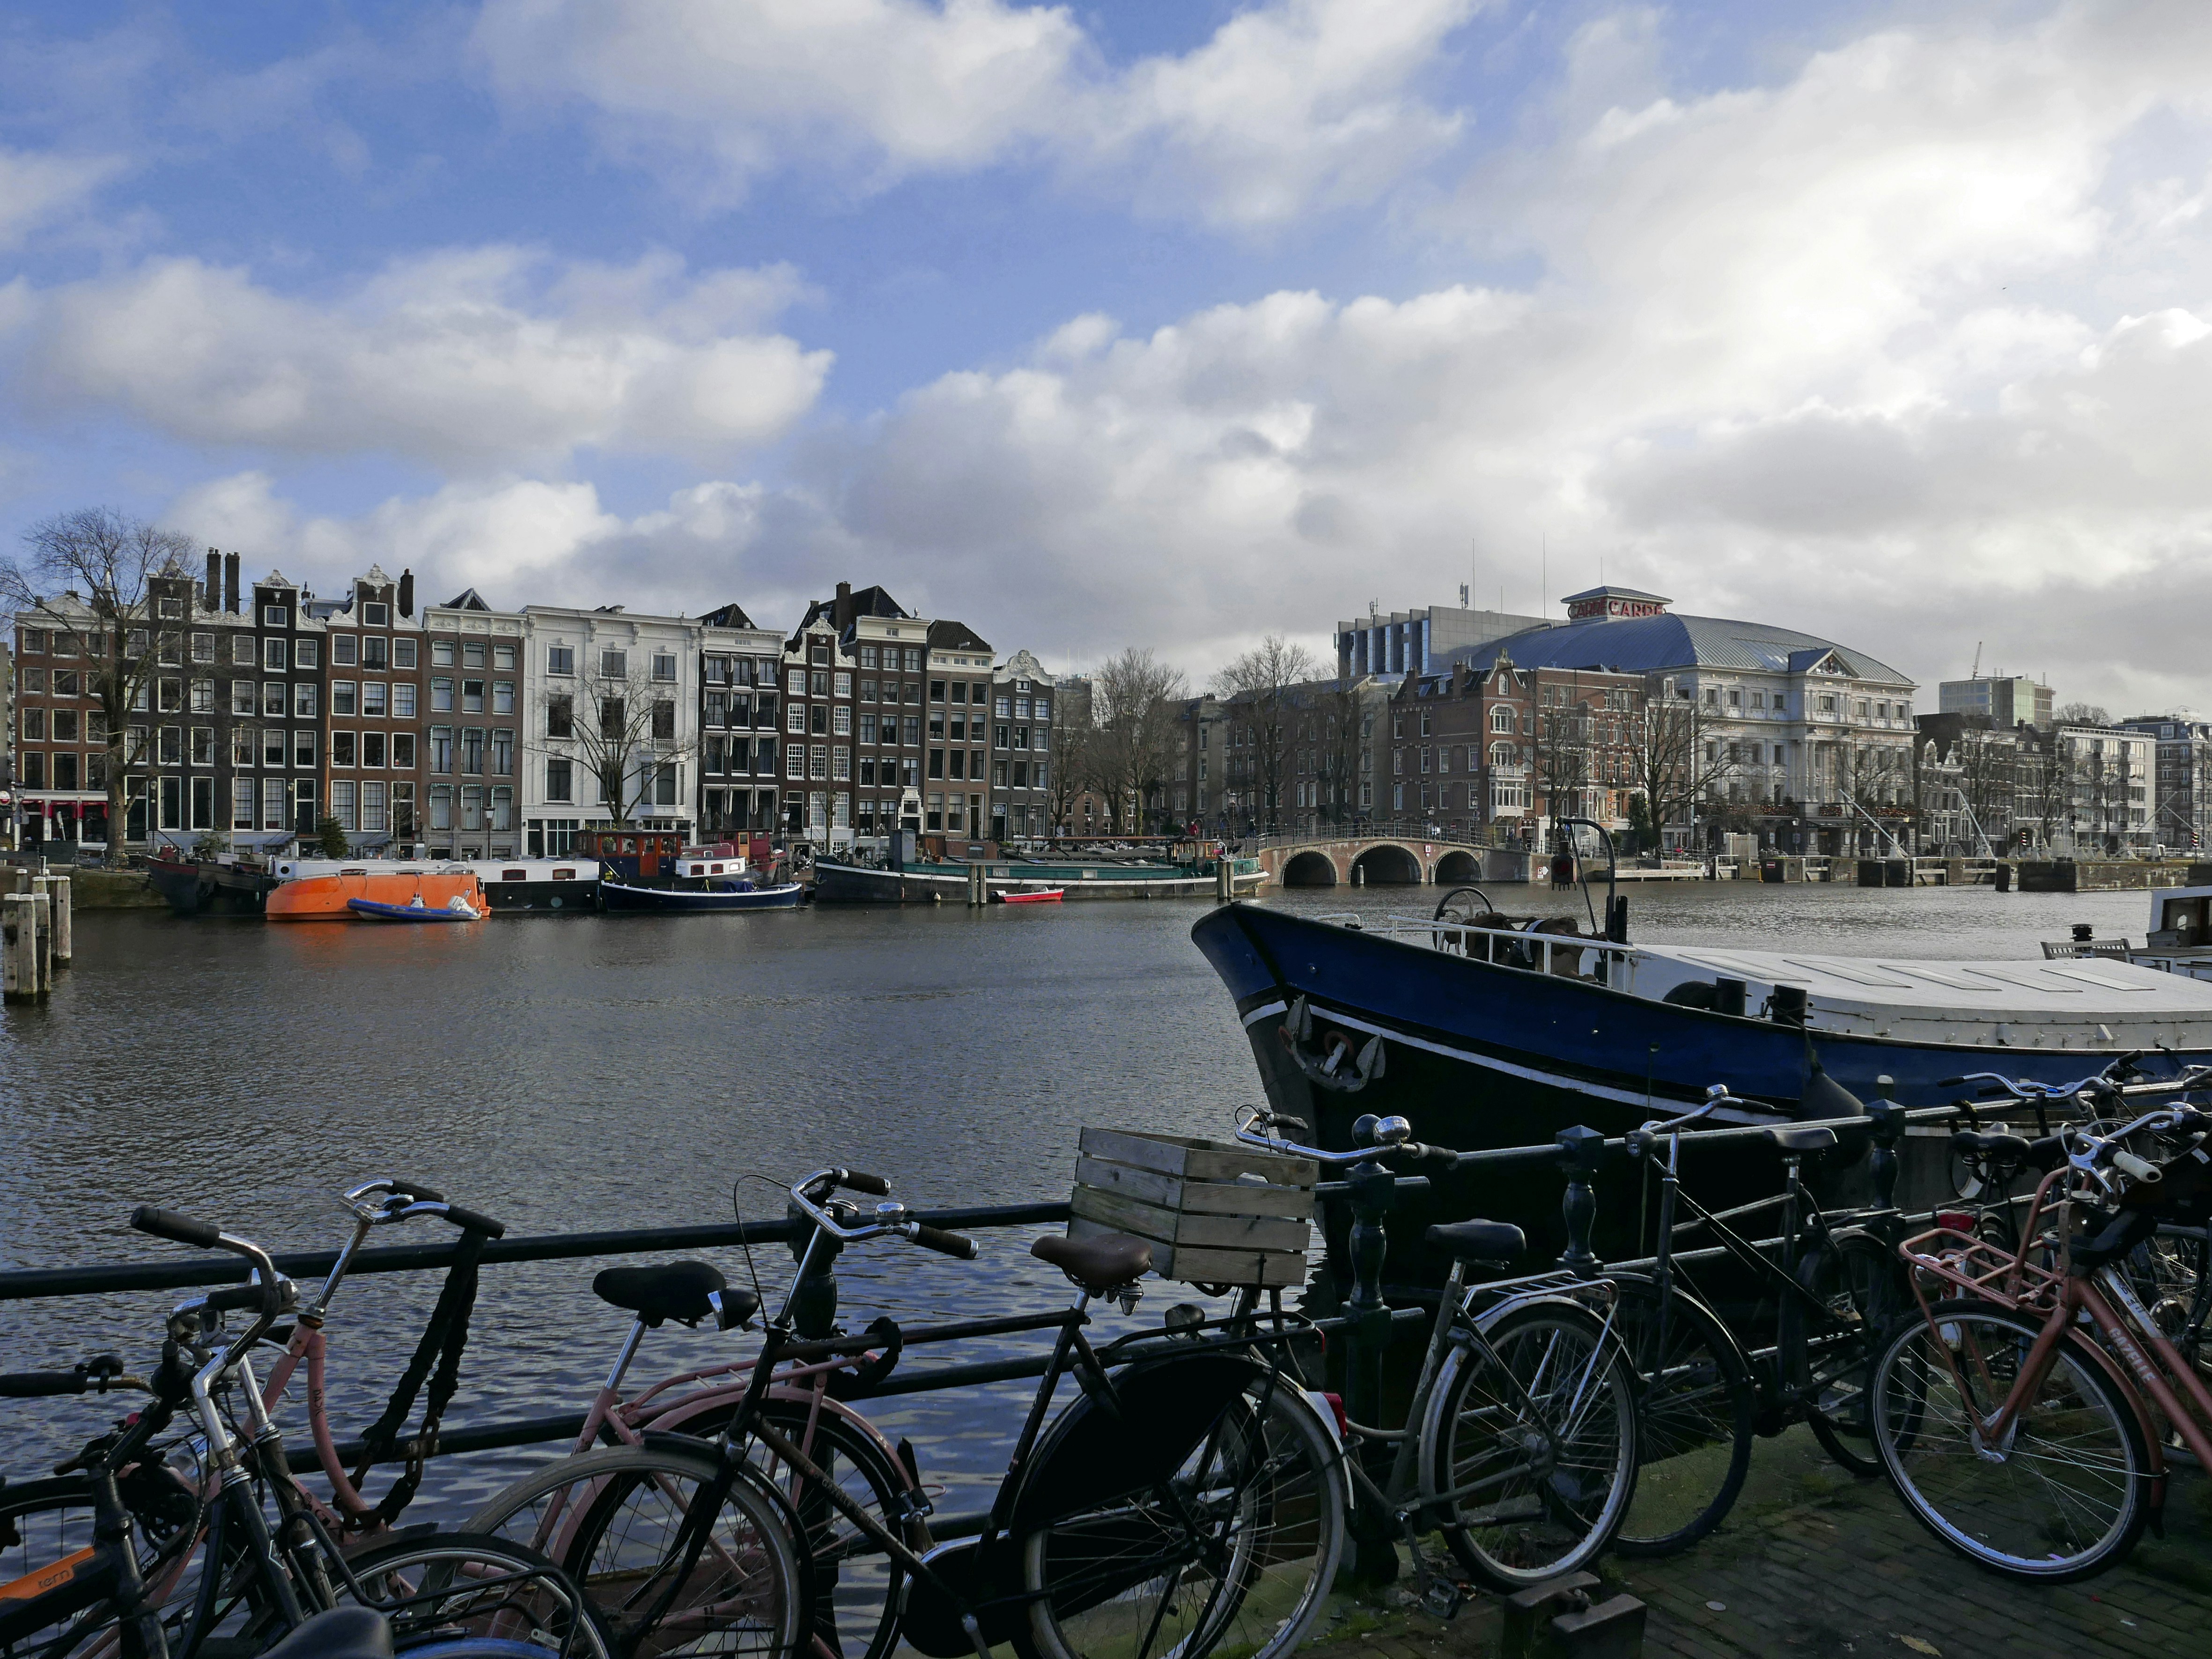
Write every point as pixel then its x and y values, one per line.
pixel 1215 1212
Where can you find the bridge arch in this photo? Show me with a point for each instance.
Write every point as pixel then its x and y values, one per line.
pixel 1309 869
pixel 1457 868
pixel 1386 865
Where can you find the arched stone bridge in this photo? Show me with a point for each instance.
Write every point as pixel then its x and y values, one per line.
pixel 1376 858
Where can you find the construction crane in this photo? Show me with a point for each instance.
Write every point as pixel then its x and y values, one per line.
pixel 1975 673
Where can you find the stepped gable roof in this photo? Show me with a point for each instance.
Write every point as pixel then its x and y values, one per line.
pixel 949 635
pixel 1645 645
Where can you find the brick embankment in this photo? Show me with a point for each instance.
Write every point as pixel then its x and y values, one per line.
pixel 1817 1563
pixel 111 890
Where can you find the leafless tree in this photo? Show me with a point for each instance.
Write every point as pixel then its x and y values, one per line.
pixel 1675 762
pixel 1074 751
pixel 1135 700
pixel 1875 774
pixel 83 577
pixel 2048 774
pixel 1260 687
pixel 2081 714
pixel 617 731
pixel 1560 749
pixel 1342 713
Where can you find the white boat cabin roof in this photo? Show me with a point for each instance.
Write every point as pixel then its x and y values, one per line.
pixel 2024 990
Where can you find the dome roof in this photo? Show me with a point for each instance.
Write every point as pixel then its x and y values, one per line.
pixel 1645 645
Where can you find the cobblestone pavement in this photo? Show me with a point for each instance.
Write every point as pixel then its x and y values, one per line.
pixel 1815 1563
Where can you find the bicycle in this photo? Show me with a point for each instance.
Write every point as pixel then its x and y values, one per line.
pixel 1519 1443
pixel 116 1591
pixel 1185 1500
pixel 2023 1445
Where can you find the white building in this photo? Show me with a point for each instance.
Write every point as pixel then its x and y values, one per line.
pixel 592 665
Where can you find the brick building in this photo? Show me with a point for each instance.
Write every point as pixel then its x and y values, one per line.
pixel 740 744
pixel 1021 743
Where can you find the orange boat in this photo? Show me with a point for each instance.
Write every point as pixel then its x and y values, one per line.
pixel 325 898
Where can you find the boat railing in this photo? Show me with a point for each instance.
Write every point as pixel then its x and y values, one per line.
pixel 1568 956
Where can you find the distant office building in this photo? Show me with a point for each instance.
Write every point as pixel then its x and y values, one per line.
pixel 2181 815
pixel 2005 704
pixel 1419 641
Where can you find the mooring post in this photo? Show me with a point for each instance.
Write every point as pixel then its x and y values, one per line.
pixel 979 891
pixel 58 894
pixel 20 980
pixel 1224 876
pixel 1580 1149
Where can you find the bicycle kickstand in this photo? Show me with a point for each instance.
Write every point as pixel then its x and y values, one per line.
pixel 1438 1594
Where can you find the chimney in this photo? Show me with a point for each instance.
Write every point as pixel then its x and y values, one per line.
pixel 215 577
pixel 841 612
pixel 230 583
pixel 407 593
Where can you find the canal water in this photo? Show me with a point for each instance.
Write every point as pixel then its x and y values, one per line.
pixel 574 1073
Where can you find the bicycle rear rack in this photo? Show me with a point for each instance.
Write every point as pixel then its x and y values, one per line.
pixel 1982 1269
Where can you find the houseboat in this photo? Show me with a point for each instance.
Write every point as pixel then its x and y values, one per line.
pixel 2178 941
pixel 702 880
pixel 330 897
pixel 941 876
pixel 223 885
pixel 568 886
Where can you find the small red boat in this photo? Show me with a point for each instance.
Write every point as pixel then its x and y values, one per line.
pixel 1042 895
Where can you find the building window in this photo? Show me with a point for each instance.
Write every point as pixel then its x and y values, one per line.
pixel 374 811
pixel 203 749
pixel 441 749
pixel 303 701
pixel 794 718
pixel 561 659
pixel 344 651
pixel 795 760
pixel 614 664
pixel 441 695
pixel 342 803
pixel 441 807
pixel 303 747
pixel 664 666
pixel 664 721
pixel 472 751
pixel 342 748
pixel 372 748
pixel 272 699
pixel 473 654
pixel 273 752
pixel 559 784
pixel 841 722
pixel 343 699
pixel 502 697
pixel 472 696
pixel 373 699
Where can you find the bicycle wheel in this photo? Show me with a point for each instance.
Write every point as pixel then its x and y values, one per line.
pixel 1532 1446
pixel 1695 1404
pixel 46 1523
pixel 2066 1497
pixel 1237 1554
pixel 614 1520
pixel 1859 1285
pixel 442 1590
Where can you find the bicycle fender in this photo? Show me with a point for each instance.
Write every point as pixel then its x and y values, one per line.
pixel 1088 1457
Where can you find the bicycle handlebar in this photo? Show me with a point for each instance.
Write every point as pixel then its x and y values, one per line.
pixel 176 1228
pixel 810 1194
pixel 2028 1090
pixel 1390 1135
pixel 98 1375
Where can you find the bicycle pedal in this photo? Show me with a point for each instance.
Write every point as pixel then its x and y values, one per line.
pixel 1443 1599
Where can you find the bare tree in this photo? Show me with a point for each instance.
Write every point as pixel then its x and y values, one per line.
pixel 83 578
pixel 1261 686
pixel 1874 775
pixel 2081 714
pixel 1343 720
pixel 1135 699
pixel 1074 751
pixel 1676 763
pixel 2049 778
pixel 614 731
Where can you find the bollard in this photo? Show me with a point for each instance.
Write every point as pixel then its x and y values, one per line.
pixel 58 889
pixel 1580 1149
pixel 19 949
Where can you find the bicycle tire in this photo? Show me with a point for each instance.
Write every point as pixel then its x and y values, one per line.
pixel 1263 1482
pixel 44 1523
pixel 493 1596
pixel 612 1519
pixel 1979 1503
pixel 857 1584
pixel 1695 1408
pixel 1563 1503
pixel 1860 1283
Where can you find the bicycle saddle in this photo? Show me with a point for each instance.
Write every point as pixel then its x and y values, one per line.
pixel 1802 1138
pixel 2011 1148
pixel 340 1633
pixel 676 1290
pixel 1098 1265
pixel 1478 1241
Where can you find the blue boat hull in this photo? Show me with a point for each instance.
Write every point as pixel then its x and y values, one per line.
pixel 694 900
pixel 1479 1056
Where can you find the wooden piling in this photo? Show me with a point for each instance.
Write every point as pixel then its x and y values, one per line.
pixel 21 957
pixel 979 889
pixel 60 891
pixel 1224 877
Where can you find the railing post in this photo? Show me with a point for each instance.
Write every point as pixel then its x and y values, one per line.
pixel 1374 1192
pixel 1580 1149
pixel 1888 1128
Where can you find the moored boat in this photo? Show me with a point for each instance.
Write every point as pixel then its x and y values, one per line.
pixel 946 881
pixel 454 909
pixel 563 886
pixel 205 886
pixel 623 896
pixel 1038 896
pixel 329 897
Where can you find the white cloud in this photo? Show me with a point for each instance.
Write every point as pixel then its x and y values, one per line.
pixel 1291 105
pixel 36 189
pixel 467 359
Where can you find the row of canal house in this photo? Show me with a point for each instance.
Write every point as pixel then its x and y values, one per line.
pixel 473 731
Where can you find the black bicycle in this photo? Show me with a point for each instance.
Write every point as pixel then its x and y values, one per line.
pixel 1188 1499
pixel 153 1544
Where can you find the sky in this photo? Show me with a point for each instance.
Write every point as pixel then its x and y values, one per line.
pixel 1164 324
